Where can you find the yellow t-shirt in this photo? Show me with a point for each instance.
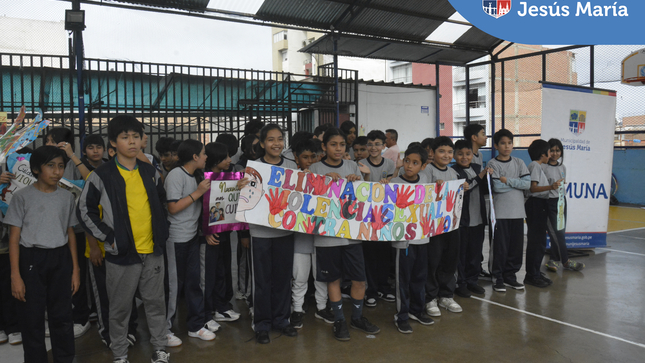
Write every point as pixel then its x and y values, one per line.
pixel 138 209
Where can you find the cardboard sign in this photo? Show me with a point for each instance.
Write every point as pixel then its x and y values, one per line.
pixel 220 203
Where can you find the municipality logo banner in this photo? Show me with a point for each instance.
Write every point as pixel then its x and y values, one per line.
pixel 557 22
pixel 577 122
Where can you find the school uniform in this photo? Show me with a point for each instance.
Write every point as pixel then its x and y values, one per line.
pixel 508 201
pixel 46 269
pixel 411 268
pixel 183 251
pixel 443 249
pixel 338 258
pixel 272 260
pixel 377 255
pixel 536 207
pixel 134 228
pixel 304 261
pixel 557 236
pixel 471 225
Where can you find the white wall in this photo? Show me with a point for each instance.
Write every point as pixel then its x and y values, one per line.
pixel 33 36
pixel 390 107
pixel 368 69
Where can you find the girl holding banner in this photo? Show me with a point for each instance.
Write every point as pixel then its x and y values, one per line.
pixel 271 250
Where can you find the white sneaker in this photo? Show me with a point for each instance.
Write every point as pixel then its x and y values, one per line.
pixel 212 325
pixel 80 330
pixel 3 337
pixel 450 304
pixel 15 338
pixel 203 334
pixel 432 309
pixel 228 315
pixel 173 341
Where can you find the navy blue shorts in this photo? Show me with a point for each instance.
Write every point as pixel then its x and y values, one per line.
pixel 334 263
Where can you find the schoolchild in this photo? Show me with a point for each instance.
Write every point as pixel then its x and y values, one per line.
pixel 348 128
pixel 536 207
pixel 360 148
pixel 556 171
pixel 223 308
pixel 339 257
pixel 411 256
pixel 134 230
pixel 427 144
pixel 217 277
pixel 75 169
pixel 42 251
pixel 271 254
pixel 9 315
pixel 377 255
pixel 510 179
pixel 167 152
pixel 184 190
pixel 476 135
pixel 297 137
pixel 304 255
pixel 472 221
pixel 443 249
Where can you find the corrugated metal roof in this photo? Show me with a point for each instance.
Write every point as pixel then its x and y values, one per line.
pixel 384 29
pixel 199 5
pixel 369 47
pixel 403 19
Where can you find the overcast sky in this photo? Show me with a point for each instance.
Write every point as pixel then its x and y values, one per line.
pixel 123 34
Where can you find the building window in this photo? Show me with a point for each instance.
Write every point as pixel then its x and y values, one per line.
pixel 442 126
pixel 280 36
pixel 402 73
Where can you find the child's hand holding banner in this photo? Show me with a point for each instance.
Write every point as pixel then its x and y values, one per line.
pixel 310 203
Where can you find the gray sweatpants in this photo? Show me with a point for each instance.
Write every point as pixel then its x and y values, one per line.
pixel 122 282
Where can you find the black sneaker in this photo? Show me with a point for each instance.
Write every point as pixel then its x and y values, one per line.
pixel 462 291
pixel 499 286
pixel 160 356
pixel 296 319
pixel 340 330
pixel 514 285
pixel 422 318
pixel 325 314
pixel 476 289
pixel 364 325
pixel 485 275
pixel 537 282
pixel 131 339
pixel 262 337
pixel 545 279
pixel 403 326
pixel 388 297
pixel 289 331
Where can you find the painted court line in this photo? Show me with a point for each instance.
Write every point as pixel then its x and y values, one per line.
pixel 612 250
pixel 626 230
pixel 560 322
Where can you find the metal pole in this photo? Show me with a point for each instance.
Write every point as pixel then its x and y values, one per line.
pixel 437 101
pixel 492 104
pixel 336 36
pixel 467 95
pixel 78 49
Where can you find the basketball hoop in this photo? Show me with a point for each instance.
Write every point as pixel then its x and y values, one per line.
pixel 633 69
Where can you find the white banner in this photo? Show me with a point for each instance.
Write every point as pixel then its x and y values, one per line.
pixel 309 203
pixel 583 119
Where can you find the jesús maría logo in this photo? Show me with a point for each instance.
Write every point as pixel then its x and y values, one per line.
pixel 577 122
pixel 496 8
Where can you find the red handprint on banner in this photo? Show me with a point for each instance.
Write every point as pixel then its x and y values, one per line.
pixel 425 223
pixel 319 183
pixel 403 195
pixel 450 200
pixel 310 227
pixel 377 218
pixel 277 202
pixel 347 210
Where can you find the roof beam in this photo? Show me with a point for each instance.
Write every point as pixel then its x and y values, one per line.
pixel 396 10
